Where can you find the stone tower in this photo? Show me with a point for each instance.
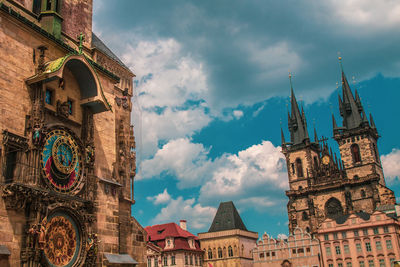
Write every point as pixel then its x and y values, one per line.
pixel 67 149
pixel 320 183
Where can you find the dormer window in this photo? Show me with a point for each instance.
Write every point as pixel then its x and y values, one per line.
pixel 49 96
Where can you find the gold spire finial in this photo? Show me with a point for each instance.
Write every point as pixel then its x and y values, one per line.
pixel 340 61
pixel 290 80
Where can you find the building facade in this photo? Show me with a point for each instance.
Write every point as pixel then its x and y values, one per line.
pixel 228 243
pixel 172 245
pixel 67 155
pixel 323 185
pixel 299 249
pixel 360 239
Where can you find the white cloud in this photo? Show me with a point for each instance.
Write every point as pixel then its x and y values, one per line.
pixel 391 165
pixel 196 215
pixel 282 236
pixel 237 114
pixel 161 198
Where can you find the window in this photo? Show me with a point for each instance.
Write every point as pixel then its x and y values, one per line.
pixel 37 5
pixel 209 254
pixel 385 229
pixel 368 246
pixel 195 260
pixel 173 260
pixel 261 255
pixel 359 248
pixel 378 245
pixel 219 253
pixel 49 96
pixel 333 208
pixel 166 261
pixel 356 233
pixel 349 264
pixel 299 168
pixel 344 234
pixel 382 263
pixel 200 261
pixel 376 230
pixel 340 265
pixel 294 251
pixel 391 261
pixel 337 249
pixel 148 262
pixel 70 103
pixel 155 262
pixel 328 251
pixel 335 236
pixel 230 251
pixel 361 263
pixel 389 244
pixel 326 237
pixel 362 193
pixel 305 216
pixel 371 263
pixel 355 152
pixel 191 259
pixel 346 248
pixel 365 231
pixel 11 163
pixel 273 254
pixel 186 260
pixel 330 265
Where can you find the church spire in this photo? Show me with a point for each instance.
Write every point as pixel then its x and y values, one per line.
pixel 297 121
pixel 283 138
pixel 350 107
pixel 371 120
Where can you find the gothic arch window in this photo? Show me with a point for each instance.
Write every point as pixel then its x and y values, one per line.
pixel 355 152
pixel 362 193
pixel 219 253
pixel 230 251
pixel 333 208
pixel 307 229
pixel 210 254
pixel 224 252
pixel 299 168
pixel 304 216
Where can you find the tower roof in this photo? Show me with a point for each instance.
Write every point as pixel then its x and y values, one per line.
pixel 227 218
pixel 297 122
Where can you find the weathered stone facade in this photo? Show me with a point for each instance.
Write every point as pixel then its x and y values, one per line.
pixel 323 185
pixel 68 151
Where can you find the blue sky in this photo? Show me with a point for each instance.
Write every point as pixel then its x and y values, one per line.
pixel 212 89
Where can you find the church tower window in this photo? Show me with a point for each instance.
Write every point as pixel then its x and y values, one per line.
pixel 333 208
pixel 355 152
pixel 304 216
pixel 362 193
pixel 230 251
pixel 210 254
pixel 299 168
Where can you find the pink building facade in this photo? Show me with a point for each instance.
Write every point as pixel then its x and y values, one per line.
pixel 299 249
pixel 360 239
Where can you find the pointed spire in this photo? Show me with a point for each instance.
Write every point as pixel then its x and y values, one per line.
pixel 315 136
pixel 283 138
pixel 371 121
pixel 364 119
pixel 334 123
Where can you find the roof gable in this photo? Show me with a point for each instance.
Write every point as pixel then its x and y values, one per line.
pixel 161 231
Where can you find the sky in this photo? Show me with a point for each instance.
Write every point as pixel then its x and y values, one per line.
pixel 212 93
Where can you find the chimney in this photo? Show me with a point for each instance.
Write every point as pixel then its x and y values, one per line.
pixel 182 224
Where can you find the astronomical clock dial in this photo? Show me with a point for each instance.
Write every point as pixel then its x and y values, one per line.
pixel 326 159
pixel 62 240
pixel 62 162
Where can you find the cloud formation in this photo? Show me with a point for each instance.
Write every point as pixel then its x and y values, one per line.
pixel 391 165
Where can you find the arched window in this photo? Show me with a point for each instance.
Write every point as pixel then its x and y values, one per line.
pixel 219 253
pixel 230 251
pixel 307 229
pixel 299 168
pixel 355 152
pixel 304 216
pixel 224 252
pixel 333 208
pixel 210 254
pixel 362 193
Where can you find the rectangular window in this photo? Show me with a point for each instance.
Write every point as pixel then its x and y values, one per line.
pixel 166 261
pixel 155 262
pixel 330 265
pixel 339 265
pixel 200 261
pixel 365 231
pixel 378 245
pixel 195 260
pixel 349 264
pixel 273 254
pixel 191 260
pixel 376 230
pixel 186 260
pixel 381 263
pixel 346 249
pixel 389 244
pixel 361 263
pixel 11 163
pixel 337 249
pixel 294 251
pixel 359 248
pixel 371 263
pixel 326 237
pixel 385 229
pixel 355 232
pixel 368 246
pixel 328 251
pixel 49 96
pixel 344 234
pixel 70 106
pixel 148 262
pixel 173 260
pixel 335 236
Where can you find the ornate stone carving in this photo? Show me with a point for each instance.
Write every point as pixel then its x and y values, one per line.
pixel 333 208
pixel 63 109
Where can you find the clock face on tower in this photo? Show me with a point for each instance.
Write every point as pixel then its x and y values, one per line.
pixel 62 162
pixel 326 160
